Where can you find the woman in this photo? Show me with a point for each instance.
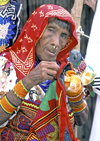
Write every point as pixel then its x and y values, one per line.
pixel 39 57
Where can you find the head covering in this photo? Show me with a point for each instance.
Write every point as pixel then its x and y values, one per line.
pixel 22 53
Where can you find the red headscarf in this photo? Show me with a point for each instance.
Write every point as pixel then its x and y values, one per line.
pixel 22 53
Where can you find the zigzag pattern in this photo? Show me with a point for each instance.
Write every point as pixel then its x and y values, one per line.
pixel 30 104
pixel 23 66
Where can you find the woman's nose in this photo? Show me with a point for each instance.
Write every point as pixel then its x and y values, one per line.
pixel 56 40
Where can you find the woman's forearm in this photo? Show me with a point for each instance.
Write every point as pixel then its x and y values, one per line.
pixel 81 118
pixel 14 100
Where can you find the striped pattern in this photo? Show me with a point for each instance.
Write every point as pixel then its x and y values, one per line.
pixel 96 84
pixel 45 119
pixel 6 105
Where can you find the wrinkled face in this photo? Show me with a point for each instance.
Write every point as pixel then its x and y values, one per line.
pixel 53 39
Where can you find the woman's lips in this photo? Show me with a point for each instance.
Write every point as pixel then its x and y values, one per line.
pixel 51 53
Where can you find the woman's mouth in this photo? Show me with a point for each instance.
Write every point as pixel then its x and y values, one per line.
pixel 51 53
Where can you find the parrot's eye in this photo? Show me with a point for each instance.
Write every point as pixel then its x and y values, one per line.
pixel 74 57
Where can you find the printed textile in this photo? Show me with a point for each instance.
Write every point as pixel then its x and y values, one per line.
pixel 8 77
pixel 9 24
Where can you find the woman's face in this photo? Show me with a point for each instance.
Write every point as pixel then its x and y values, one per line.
pixel 53 39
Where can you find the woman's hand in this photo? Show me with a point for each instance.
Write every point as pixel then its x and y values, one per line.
pixel 45 70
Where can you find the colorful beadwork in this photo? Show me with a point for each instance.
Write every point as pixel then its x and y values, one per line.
pixel 20 90
pixel 6 105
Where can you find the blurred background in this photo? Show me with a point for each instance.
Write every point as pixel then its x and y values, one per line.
pixel 28 6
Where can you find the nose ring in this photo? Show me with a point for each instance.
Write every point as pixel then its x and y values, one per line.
pixel 54 47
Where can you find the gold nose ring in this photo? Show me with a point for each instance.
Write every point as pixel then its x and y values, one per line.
pixel 54 47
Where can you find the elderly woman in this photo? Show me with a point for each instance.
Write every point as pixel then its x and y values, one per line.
pixel 39 58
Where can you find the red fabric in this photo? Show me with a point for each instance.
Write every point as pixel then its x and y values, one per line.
pixel 64 116
pixel 22 53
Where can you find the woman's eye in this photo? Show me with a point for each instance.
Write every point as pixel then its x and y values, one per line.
pixel 64 36
pixel 51 30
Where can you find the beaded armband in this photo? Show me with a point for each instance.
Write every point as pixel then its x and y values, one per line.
pixel 6 105
pixel 79 108
pixel 78 102
pixel 20 90
pixel 76 98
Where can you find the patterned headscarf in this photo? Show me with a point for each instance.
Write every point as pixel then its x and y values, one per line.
pixel 22 53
